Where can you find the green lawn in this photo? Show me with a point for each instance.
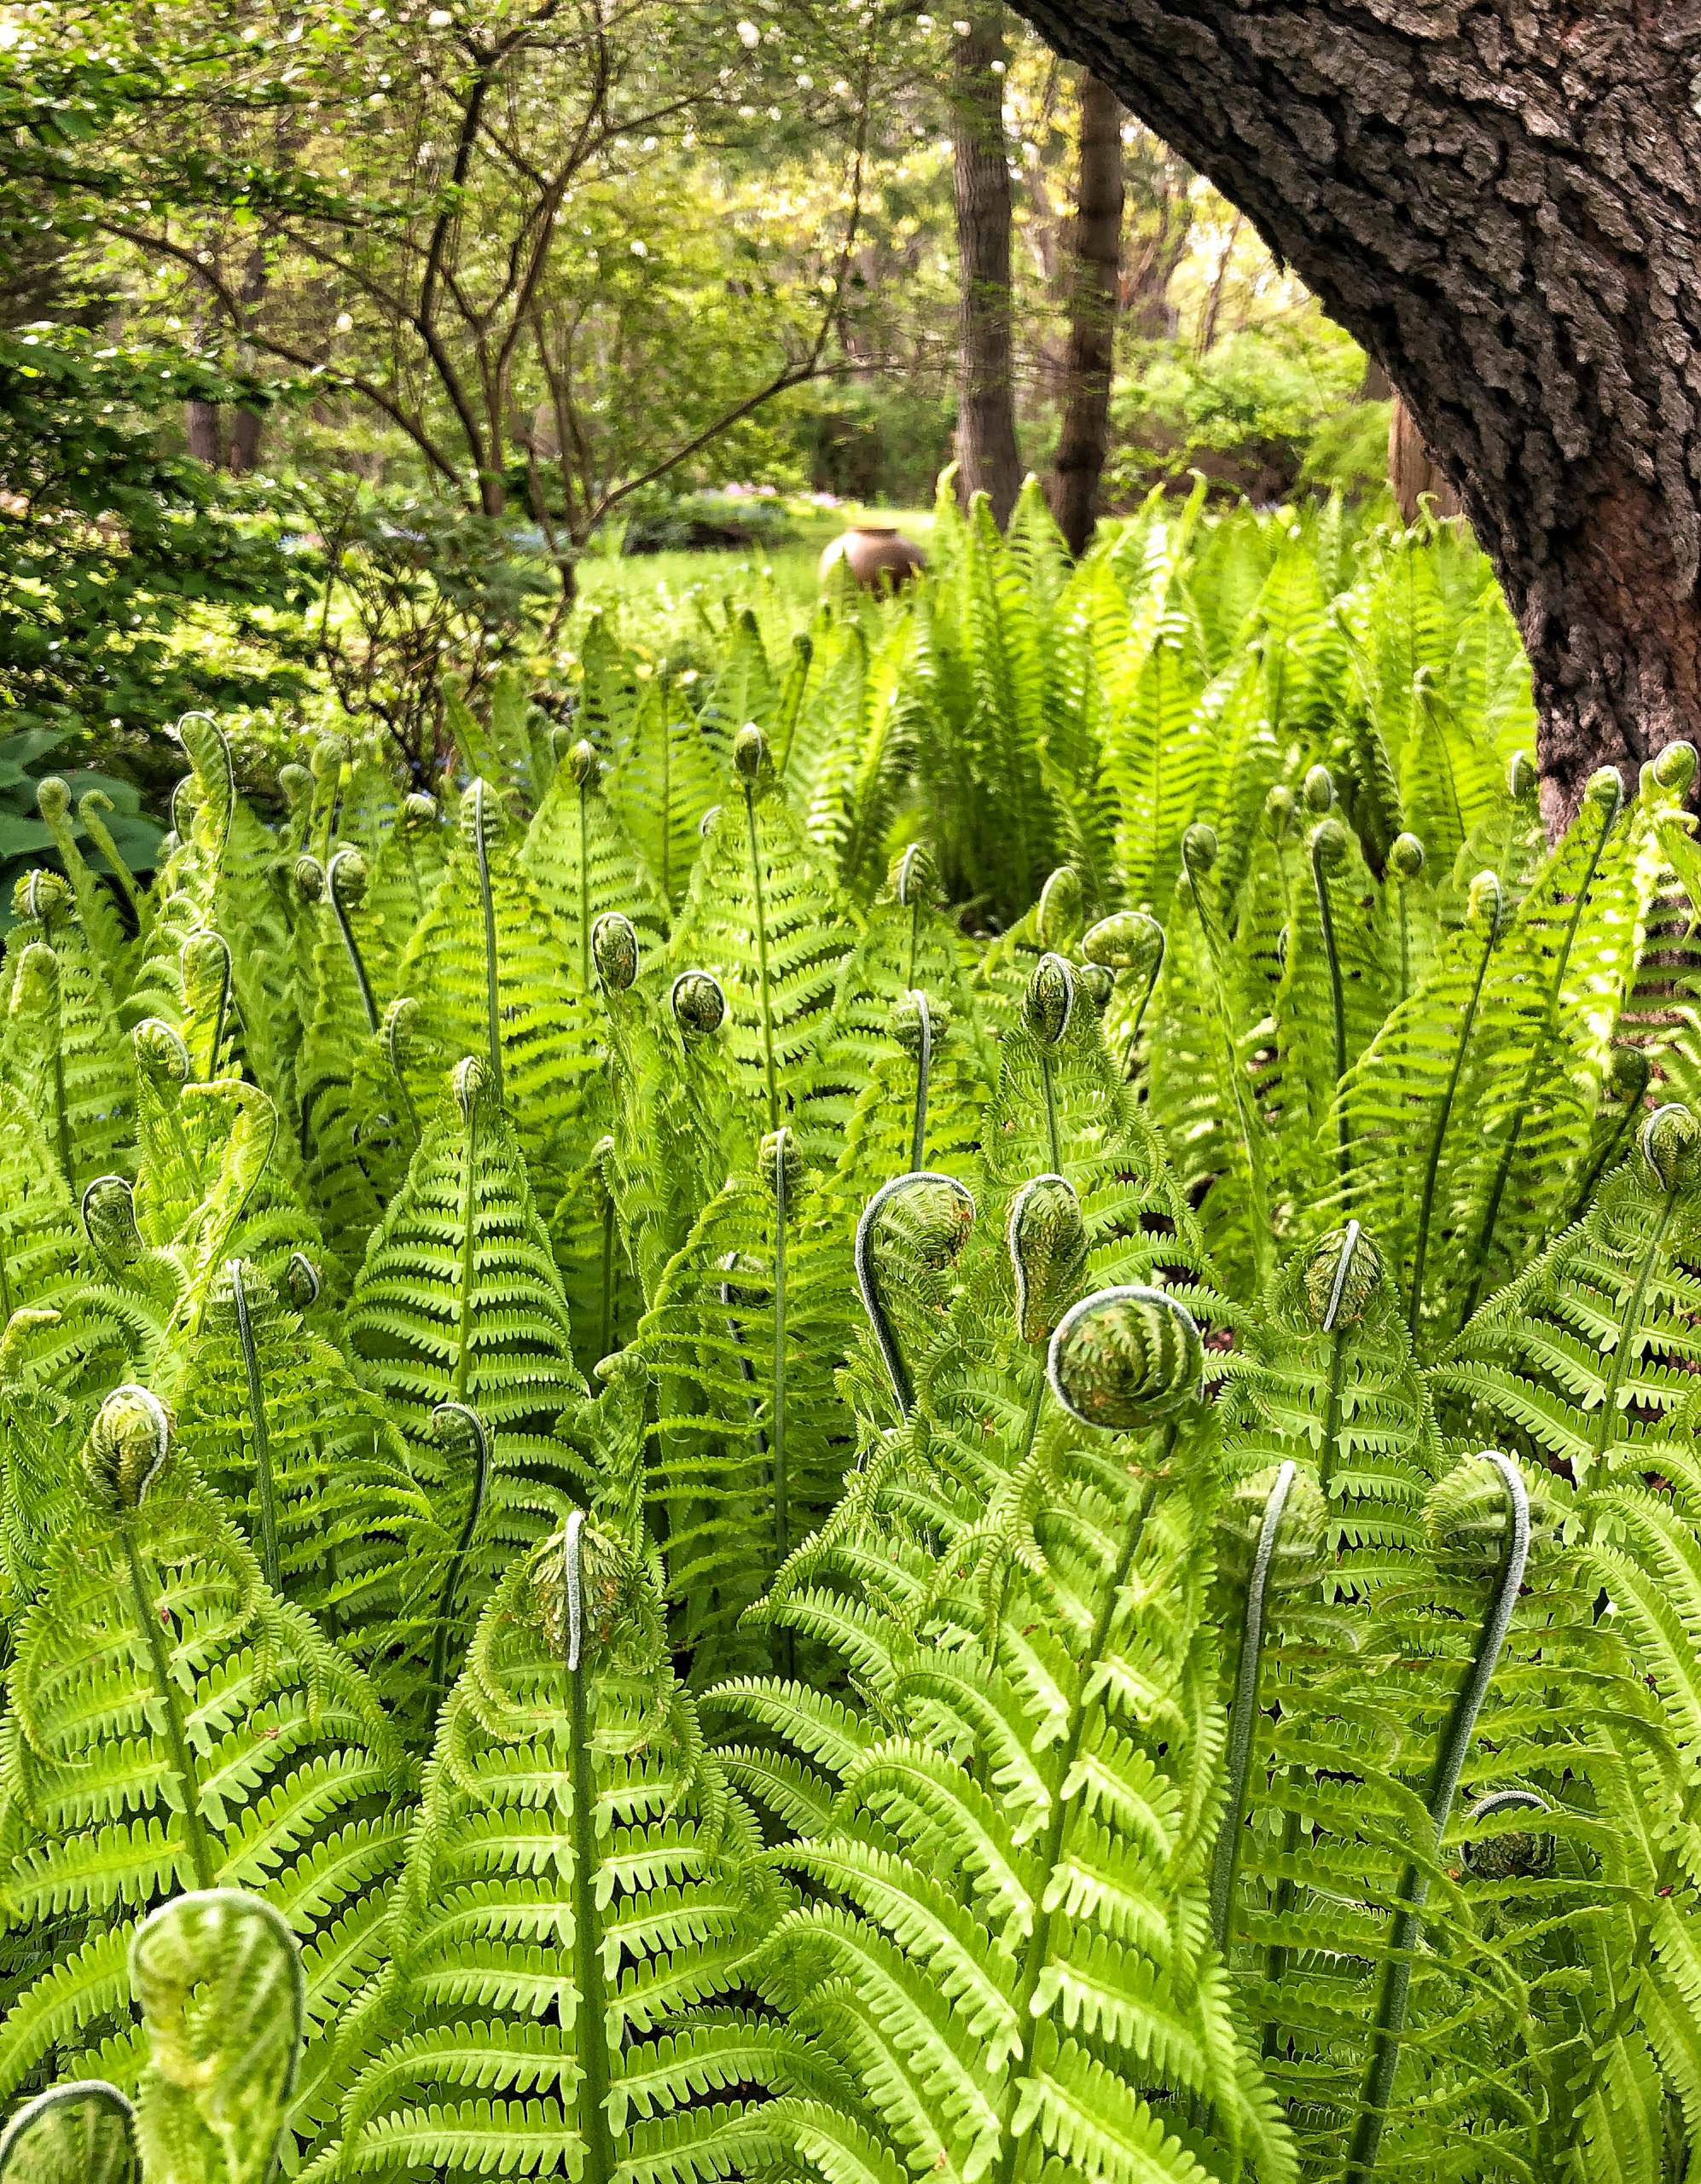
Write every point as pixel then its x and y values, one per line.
pixel 669 604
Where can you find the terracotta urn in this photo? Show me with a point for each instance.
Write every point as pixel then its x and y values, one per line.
pixel 875 553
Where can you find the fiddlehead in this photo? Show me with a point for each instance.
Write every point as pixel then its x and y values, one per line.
pixel 83 2133
pixel 205 958
pixel 1130 945
pixel 755 768
pixel 1469 1510
pixel 915 1223
pixel 586 768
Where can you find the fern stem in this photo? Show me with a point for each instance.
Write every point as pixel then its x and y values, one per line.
pixel 606 1332
pixel 1080 1713
pixel 257 1412
pixel 147 1615
pixel 350 945
pixel 923 1070
pixel 1255 1173
pixel 438 1682
pixel 1338 1006
pixel 492 977
pixel 1131 1056
pixel 1485 1233
pixel 1610 1153
pixel 592 2022
pixel 782 1516
pixel 1050 1092
pixel 585 887
pixel 1406 1931
pixel 1443 1118
pixel 1244 1715
pixel 761 958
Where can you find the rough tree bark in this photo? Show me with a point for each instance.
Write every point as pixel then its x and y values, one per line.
pixel 1095 251
pixel 987 457
pixel 1502 199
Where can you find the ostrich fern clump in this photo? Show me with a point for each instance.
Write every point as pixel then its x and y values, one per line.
pixel 928 1408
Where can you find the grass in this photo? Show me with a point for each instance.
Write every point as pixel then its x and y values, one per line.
pixel 671 605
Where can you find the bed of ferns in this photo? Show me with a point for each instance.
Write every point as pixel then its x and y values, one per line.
pixel 670 1510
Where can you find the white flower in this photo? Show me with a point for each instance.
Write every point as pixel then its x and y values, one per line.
pixel 961 29
pixel 641 250
pixel 438 19
pixel 748 35
pixel 344 324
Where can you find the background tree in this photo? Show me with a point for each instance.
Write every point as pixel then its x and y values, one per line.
pixel 1090 359
pixel 1501 205
pixel 987 452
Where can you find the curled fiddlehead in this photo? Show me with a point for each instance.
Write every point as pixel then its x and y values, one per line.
pixel 1125 1358
pixel 915 1223
pixel 205 958
pixel 1047 1009
pixel 218 1976
pixel 345 880
pixel 1129 944
pixel 83 2132
pixel 614 951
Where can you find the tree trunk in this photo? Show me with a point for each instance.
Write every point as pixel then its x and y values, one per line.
pixel 201 431
pixel 1095 250
pixel 987 455
pixel 1501 202
pixel 1413 470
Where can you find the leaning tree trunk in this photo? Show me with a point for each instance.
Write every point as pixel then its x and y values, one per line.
pixel 1502 202
pixel 987 457
pixel 1095 252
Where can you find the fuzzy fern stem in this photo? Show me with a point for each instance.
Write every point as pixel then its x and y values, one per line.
pixel 770 1073
pixel 1607 806
pixel 1244 1714
pixel 449 1415
pixel 1051 1852
pixel 782 1516
pixel 605 1328
pixel 592 2022
pixel 257 1411
pixel 924 1070
pixel 350 945
pixel 149 1613
pixel 492 975
pixel 1323 852
pixel 1490 912
pixel 1406 1931
pixel 869 1283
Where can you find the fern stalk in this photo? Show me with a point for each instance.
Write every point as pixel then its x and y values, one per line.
pixel 487 904
pixel 257 1411
pixel 1087 1696
pixel 1406 1931
pixel 1328 846
pixel 592 2024
pixel 769 1073
pixel 149 1615
pixel 1444 1116
pixel 1244 1714
pixel 1608 808
pixel 446 1414
pixel 351 946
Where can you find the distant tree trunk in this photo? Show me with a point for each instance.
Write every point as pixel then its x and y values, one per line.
pixel 243 451
pixel 1095 244
pixel 1206 340
pixel 201 430
pixel 1501 202
pixel 987 455
pixel 1413 471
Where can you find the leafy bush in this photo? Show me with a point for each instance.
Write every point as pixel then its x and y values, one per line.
pixel 791 1545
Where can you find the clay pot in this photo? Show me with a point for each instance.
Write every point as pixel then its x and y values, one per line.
pixel 875 553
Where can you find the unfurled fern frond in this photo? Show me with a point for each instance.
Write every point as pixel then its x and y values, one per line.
pixel 314 1471
pixel 577 856
pixel 746 1331
pixel 569 1939
pixel 459 1305
pixel 664 775
pixel 493 976
pixel 169 1720
pixel 764 917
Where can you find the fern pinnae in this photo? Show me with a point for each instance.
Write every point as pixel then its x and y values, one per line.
pixel 933 1225
pixel 1627 1083
pixel 1484 916
pixel 1454 1497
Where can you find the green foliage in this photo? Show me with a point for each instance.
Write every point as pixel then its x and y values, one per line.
pixel 794 1541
